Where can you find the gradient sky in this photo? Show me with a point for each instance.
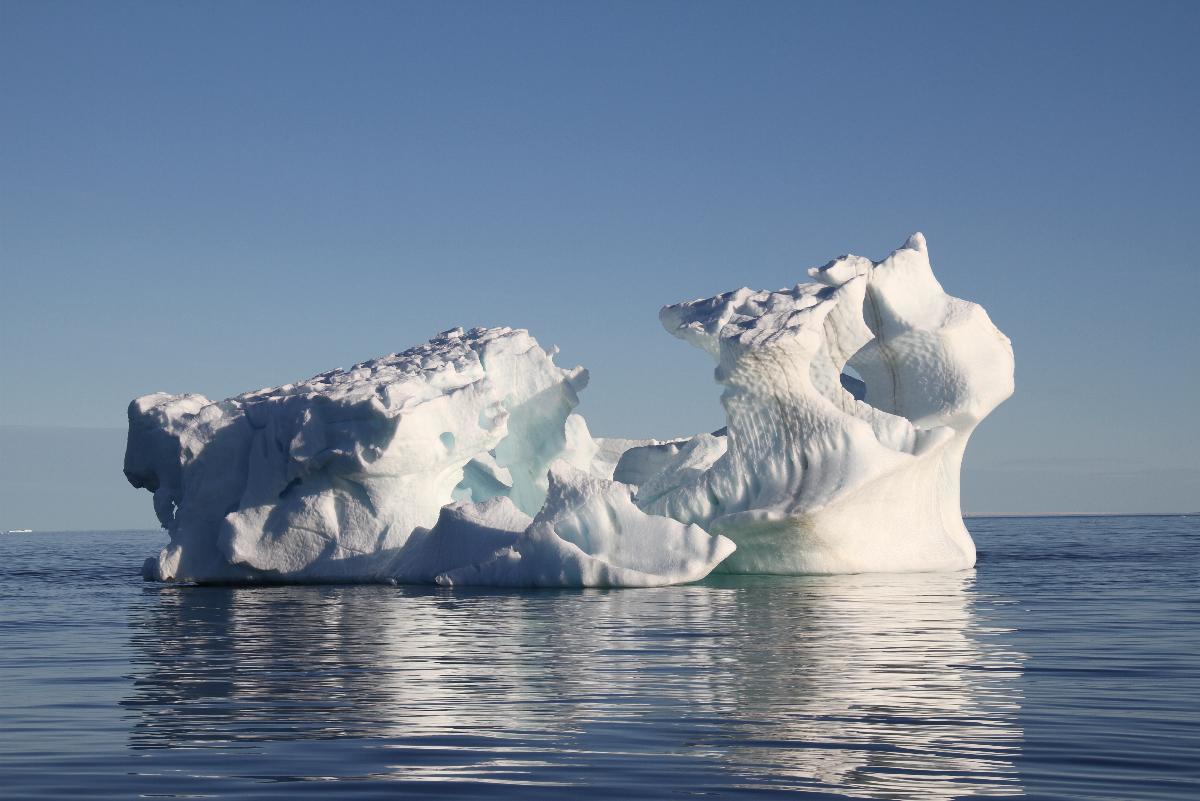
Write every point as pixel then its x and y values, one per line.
pixel 220 197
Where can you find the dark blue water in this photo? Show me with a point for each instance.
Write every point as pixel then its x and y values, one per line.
pixel 1066 665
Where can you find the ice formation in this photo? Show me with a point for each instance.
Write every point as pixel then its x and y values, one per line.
pixel 460 461
pixel 809 478
pixel 339 478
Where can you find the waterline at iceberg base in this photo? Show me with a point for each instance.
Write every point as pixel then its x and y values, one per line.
pixel 849 402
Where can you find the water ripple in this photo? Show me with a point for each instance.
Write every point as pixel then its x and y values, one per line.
pixel 1031 677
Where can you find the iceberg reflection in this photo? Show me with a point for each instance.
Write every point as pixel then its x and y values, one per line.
pixel 886 686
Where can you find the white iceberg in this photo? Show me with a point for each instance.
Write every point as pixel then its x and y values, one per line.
pixel 461 462
pixel 809 478
pixel 332 479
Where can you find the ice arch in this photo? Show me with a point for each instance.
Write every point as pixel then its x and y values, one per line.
pixel 810 479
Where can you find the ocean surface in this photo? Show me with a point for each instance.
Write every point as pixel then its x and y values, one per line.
pixel 1065 665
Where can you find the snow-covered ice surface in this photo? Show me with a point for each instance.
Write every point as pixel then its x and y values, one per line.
pixel 460 461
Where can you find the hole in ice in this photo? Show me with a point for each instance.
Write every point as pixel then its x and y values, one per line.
pixel 853 383
pixel 447 439
pixel 887 376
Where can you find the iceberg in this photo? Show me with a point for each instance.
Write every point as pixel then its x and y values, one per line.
pixel 820 471
pixel 849 402
pixel 347 477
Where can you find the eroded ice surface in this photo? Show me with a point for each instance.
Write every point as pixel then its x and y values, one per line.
pixel 460 461
pixel 341 477
pixel 810 479
pixel 590 534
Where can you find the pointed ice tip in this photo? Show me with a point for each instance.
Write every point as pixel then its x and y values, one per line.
pixel 916 242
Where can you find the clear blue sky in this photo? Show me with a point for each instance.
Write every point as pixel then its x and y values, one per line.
pixel 218 197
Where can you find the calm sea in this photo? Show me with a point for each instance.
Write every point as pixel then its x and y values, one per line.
pixel 1066 665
